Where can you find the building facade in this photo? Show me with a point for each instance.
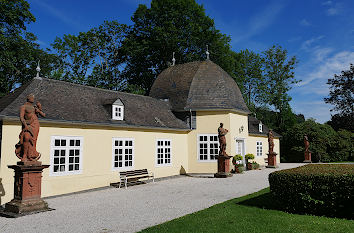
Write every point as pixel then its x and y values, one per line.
pixel 90 134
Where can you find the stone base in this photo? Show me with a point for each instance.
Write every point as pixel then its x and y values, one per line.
pixel 20 207
pixel 307 157
pixel 271 166
pixel 222 174
pixel 272 160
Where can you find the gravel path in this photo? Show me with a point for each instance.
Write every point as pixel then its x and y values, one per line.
pixel 138 207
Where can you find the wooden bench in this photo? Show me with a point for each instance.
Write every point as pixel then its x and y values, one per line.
pixel 133 176
pixel 266 161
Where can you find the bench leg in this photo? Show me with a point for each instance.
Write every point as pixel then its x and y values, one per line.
pixel 126 181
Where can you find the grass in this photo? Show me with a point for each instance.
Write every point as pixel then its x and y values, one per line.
pixel 252 213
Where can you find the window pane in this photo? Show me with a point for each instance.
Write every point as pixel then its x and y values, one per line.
pixel 56 152
pixel 63 143
pixel 57 142
pixel 72 142
pixel 77 143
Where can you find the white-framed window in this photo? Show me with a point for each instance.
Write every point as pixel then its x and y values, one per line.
pixel 123 153
pixel 260 127
pixel 117 112
pixel 66 155
pixel 259 148
pixel 163 152
pixel 208 147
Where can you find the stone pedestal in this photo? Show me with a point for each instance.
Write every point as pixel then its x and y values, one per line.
pixel 307 157
pixel 223 167
pixel 272 160
pixel 27 188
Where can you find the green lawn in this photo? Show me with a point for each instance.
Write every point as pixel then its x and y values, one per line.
pixel 252 213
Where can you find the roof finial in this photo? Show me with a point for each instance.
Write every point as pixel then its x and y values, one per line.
pixel 173 59
pixel 38 69
pixel 207 52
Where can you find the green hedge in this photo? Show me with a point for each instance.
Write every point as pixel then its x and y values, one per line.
pixel 319 189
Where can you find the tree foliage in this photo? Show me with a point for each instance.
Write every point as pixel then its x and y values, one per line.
pixel 93 58
pixel 19 52
pixel 341 95
pixel 248 73
pixel 326 144
pixel 168 26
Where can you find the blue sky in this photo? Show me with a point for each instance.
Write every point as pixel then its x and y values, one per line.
pixel 320 33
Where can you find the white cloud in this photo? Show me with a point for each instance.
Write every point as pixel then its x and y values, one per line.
pixel 259 22
pixel 305 23
pixel 327 3
pixel 308 43
pixel 58 14
pixel 328 66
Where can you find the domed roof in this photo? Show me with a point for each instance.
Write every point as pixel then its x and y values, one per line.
pixel 199 85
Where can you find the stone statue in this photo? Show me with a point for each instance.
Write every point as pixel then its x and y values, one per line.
pixel 222 139
pixel 307 143
pixel 26 147
pixel 271 142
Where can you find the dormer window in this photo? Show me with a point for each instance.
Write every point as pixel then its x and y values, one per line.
pixel 118 110
pixel 260 127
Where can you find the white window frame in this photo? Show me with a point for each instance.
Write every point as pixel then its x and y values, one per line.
pixel 67 148
pixel 163 147
pixel 208 142
pixel 259 148
pixel 123 168
pixel 260 127
pixel 117 112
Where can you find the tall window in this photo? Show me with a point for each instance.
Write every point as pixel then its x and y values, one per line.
pixel 123 153
pixel 259 149
pixel 66 155
pixel 163 152
pixel 208 147
pixel 260 127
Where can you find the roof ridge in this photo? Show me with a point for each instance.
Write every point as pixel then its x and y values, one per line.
pixel 95 88
pixel 193 81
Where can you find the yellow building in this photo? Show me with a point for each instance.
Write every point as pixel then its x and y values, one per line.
pixel 90 134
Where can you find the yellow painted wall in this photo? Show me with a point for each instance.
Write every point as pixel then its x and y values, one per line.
pixel 97 156
pixel 251 147
pixel 207 123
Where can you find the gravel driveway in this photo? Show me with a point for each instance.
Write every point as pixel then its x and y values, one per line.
pixel 138 207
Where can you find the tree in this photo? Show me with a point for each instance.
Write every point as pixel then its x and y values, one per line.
pixel 341 95
pixel 93 58
pixel 279 78
pixel 19 53
pixel 248 74
pixel 168 26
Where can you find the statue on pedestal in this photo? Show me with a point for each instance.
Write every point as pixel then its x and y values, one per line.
pixel 307 150
pixel 223 158
pixel 272 156
pixel 26 147
pixel 28 172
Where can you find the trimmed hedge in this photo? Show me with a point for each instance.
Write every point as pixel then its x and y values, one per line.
pixel 319 189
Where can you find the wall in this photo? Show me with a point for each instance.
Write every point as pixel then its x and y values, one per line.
pixel 97 156
pixel 252 148
pixel 208 122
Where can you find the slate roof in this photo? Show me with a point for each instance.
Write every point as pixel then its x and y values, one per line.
pixel 253 127
pixel 68 102
pixel 199 85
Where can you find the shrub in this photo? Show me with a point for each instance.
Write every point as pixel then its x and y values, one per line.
pixel 320 189
pixel 255 165
pixel 237 157
pixel 249 156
